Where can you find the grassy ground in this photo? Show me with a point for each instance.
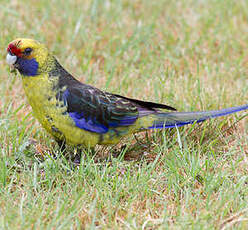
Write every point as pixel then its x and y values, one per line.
pixel 189 54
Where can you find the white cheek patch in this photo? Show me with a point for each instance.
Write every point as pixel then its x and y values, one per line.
pixel 11 59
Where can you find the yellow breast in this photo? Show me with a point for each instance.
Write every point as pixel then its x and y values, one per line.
pixel 51 113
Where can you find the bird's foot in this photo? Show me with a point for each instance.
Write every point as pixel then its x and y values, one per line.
pixel 79 152
pixel 76 159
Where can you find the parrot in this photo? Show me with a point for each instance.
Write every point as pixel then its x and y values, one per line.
pixel 78 114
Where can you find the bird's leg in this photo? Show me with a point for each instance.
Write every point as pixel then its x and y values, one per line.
pixel 61 144
pixel 79 151
pixel 77 158
pixel 62 148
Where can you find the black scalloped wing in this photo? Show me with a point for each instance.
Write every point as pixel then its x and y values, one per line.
pixel 96 111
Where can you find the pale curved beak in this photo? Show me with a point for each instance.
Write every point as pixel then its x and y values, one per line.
pixel 11 59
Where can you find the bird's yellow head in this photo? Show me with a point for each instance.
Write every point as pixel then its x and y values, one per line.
pixel 27 55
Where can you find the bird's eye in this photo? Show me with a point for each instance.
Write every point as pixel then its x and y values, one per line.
pixel 27 51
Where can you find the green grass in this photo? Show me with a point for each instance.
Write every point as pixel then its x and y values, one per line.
pixel 192 55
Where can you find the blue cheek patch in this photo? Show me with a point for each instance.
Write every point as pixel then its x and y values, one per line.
pixel 28 67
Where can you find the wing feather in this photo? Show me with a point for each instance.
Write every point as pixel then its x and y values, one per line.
pixel 97 111
pixel 94 110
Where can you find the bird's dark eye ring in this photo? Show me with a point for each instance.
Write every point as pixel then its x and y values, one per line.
pixel 27 51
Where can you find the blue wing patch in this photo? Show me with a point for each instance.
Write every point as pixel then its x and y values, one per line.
pixel 98 121
pixel 88 125
pixel 93 126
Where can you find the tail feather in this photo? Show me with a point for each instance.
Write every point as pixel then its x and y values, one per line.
pixel 177 119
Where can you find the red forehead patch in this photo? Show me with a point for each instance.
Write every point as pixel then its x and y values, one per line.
pixel 12 48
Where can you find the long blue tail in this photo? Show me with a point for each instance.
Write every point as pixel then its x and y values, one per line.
pixel 177 119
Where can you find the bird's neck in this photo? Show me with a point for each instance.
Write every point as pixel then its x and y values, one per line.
pixel 64 77
pixel 47 65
